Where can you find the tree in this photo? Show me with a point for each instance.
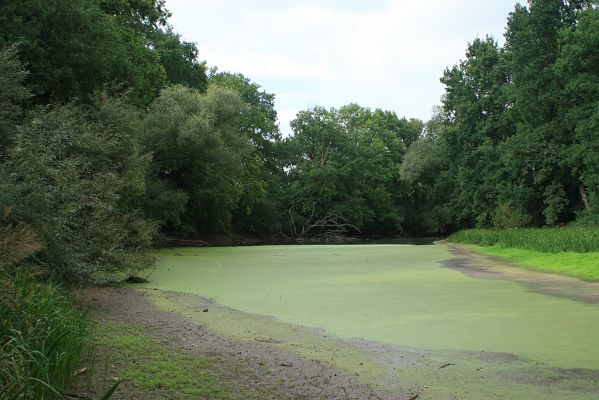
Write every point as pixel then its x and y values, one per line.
pixel 579 104
pixel 73 48
pixel 425 171
pixel 476 107
pixel 537 152
pixel 346 162
pixel 144 17
pixel 197 153
pixel 179 60
pixel 259 118
pixel 260 209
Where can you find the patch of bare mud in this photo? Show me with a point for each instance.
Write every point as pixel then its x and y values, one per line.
pixel 488 267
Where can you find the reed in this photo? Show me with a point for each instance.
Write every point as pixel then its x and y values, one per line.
pixel 42 338
pixel 577 239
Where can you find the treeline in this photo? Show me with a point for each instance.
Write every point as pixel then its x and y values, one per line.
pixel 114 137
pixel 516 140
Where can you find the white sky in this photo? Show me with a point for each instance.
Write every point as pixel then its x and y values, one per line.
pixel 388 54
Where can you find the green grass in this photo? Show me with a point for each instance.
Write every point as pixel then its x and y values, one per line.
pixel 577 239
pixel 146 362
pixel 42 339
pixel 578 265
pixel 571 251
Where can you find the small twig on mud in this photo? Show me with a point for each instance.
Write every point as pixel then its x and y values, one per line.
pixel 345 391
pixel 446 365
pixel 415 396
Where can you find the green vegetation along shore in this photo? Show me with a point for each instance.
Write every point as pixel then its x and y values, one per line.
pixel 571 251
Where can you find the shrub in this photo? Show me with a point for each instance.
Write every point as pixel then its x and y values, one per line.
pixel 69 177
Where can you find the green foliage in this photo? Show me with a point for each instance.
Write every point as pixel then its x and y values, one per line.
pixel 180 60
pixel 259 118
pixel 68 177
pixel 42 339
pixel 474 105
pixel 587 218
pixel 510 215
pixel 515 143
pixel 73 48
pixel 259 208
pixel 12 95
pixel 196 149
pixel 579 104
pixel 576 239
pixel 421 161
pixel 539 153
pixel 144 17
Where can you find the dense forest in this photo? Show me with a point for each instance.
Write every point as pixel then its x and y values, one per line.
pixel 114 136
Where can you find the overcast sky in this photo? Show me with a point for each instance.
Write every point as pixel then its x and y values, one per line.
pixel 377 53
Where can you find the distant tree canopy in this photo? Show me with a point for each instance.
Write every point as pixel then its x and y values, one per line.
pixel 518 123
pixel 347 162
pixel 114 134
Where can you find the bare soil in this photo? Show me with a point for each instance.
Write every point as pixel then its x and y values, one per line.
pixel 259 370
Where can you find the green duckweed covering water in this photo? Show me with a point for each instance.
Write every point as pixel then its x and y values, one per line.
pixel 388 293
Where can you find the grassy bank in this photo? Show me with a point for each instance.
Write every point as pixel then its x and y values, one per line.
pixel 572 251
pixel 546 240
pixel 42 339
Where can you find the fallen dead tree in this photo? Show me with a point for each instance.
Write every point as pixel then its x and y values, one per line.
pixel 331 227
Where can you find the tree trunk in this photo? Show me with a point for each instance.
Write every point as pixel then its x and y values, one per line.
pixel 585 197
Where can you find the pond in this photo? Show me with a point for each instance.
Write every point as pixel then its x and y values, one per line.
pixel 388 293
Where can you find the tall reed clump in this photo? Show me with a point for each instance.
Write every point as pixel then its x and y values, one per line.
pixel 578 239
pixel 42 338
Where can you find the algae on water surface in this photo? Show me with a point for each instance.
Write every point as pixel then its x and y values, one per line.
pixel 388 293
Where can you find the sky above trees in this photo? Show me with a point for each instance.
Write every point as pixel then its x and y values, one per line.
pixel 379 53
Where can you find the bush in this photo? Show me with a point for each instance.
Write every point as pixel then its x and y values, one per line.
pixel 69 177
pixel 587 218
pixel 508 216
